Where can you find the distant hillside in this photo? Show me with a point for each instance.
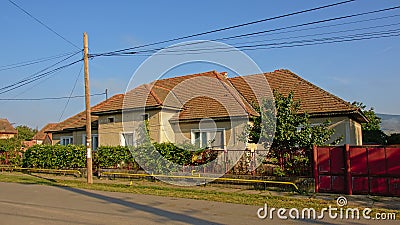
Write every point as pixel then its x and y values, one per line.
pixel 390 123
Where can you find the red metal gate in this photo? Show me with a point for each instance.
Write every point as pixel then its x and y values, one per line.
pixel 357 170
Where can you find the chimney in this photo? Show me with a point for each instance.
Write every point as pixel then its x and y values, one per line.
pixel 225 74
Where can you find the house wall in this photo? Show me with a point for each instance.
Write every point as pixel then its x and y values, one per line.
pixel 76 135
pixel 110 133
pixel 6 136
pixel 233 128
pixel 344 127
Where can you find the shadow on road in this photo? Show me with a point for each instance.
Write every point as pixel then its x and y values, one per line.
pixel 171 216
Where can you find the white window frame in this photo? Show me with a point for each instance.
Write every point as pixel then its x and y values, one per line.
pixel 94 148
pixel 193 131
pixel 64 138
pixel 122 140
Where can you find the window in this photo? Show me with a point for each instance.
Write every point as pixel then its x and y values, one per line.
pixel 66 140
pixel 212 138
pixel 128 139
pixel 110 119
pixel 95 141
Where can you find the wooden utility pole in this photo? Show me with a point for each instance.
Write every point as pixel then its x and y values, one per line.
pixel 88 117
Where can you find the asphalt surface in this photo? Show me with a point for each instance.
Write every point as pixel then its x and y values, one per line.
pixel 40 204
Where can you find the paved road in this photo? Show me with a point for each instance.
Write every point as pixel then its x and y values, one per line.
pixel 40 204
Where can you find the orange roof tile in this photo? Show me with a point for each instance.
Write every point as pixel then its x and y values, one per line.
pixel 41 135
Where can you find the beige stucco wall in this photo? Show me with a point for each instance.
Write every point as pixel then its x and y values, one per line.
pixel 233 128
pixel 76 135
pixel 6 136
pixel 110 133
pixel 344 127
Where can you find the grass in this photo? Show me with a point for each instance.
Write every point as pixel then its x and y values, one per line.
pixel 228 195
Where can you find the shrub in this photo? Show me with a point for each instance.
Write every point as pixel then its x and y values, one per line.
pixel 55 156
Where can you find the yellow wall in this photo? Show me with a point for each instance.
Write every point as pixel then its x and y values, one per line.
pixel 344 127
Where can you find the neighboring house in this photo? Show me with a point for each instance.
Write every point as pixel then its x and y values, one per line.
pixel 185 114
pixel 73 129
pixel 7 130
pixel 43 136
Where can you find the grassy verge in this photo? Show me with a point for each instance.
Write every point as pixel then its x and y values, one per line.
pixel 161 189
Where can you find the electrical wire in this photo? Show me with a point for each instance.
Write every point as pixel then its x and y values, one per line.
pixel 41 76
pixel 48 98
pixel 43 24
pixel 225 28
pixel 70 95
pixel 36 75
pixel 32 62
pixel 265 31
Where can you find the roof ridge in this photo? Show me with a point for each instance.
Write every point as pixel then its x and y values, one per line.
pixel 188 75
pixel 158 100
pixel 240 101
pixel 286 71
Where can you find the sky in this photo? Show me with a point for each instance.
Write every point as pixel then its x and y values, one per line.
pixel 365 70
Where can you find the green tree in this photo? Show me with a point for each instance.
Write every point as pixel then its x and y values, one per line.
pixel 372 133
pixel 12 148
pixel 25 133
pixel 294 134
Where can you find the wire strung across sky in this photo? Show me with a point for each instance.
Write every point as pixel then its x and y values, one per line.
pixel 43 24
pixel 225 28
pixel 49 98
pixel 40 74
pixel 120 53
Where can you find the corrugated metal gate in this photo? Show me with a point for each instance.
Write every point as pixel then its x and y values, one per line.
pixel 357 170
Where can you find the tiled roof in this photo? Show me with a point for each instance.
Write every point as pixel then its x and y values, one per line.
pixel 41 135
pixel 6 127
pixel 212 95
pixel 79 120
pixel 313 99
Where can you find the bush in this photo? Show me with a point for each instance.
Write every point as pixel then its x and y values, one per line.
pixel 114 157
pixel 55 157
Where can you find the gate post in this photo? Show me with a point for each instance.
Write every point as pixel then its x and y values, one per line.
pixel 349 183
pixel 315 168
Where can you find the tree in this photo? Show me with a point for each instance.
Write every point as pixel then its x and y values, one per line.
pixel 294 134
pixel 393 139
pixel 25 133
pixel 372 133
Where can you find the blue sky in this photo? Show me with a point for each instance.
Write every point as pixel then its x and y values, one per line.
pixel 366 71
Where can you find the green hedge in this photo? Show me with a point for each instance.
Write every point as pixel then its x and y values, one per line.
pixel 114 156
pixel 55 156
pixel 72 156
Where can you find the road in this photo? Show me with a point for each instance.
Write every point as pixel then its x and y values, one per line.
pixel 41 204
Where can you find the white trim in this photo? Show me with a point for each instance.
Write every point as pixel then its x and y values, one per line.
pixel 63 140
pixel 122 140
pixel 93 135
pixel 193 131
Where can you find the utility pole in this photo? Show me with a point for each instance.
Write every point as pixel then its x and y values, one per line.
pixel 88 117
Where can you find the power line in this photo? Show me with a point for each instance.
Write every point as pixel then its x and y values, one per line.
pixel 41 76
pixel 268 31
pixel 36 75
pixel 306 42
pixel 43 24
pixel 227 28
pixel 31 62
pixel 70 95
pixel 48 98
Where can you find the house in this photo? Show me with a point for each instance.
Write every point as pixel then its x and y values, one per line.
pixel 43 136
pixel 206 109
pixel 73 129
pixel 7 130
